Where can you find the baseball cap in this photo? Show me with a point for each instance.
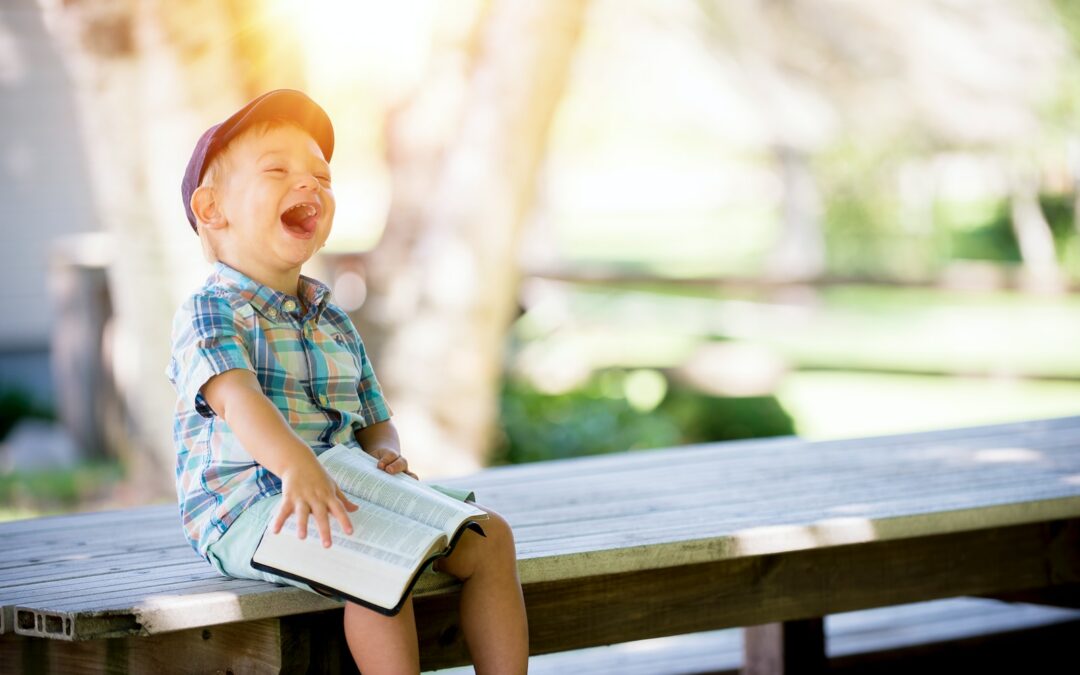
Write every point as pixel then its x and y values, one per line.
pixel 289 104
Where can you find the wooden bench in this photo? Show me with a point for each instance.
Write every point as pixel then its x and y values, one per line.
pixel 773 534
pixel 961 635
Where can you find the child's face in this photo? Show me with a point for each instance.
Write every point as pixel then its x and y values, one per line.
pixel 277 203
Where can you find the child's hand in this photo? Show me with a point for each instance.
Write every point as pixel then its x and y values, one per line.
pixel 306 489
pixel 391 461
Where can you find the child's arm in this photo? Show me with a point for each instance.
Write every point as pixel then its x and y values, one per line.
pixel 380 440
pixel 236 397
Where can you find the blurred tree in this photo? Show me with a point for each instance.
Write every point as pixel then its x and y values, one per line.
pixel 921 78
pixel 146 83
pixel 464 153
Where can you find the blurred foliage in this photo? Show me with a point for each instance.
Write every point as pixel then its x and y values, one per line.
pixel 594 419
pixel 58 489
pixel 862 213
pixel 1069 18
pixel 863 218
pixel 15 404
pixel 983 231
pixel 979 231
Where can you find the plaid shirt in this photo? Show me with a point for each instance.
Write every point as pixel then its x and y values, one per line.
pixel 311 364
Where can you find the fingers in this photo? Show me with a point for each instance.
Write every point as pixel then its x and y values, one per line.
pixel 344 500
pixel 322 522
pixel 302 513
pixel 284 511
pixel 338 510
pixel 393 463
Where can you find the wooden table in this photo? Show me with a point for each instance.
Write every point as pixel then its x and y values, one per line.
pixel 773 533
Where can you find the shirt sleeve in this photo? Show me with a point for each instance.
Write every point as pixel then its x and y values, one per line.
pixel 209 338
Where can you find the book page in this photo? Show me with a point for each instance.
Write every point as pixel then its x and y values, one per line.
pixel 377 533
pixel 357 473
pixel 376 562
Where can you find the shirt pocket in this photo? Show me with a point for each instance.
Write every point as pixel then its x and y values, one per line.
pixel 343 373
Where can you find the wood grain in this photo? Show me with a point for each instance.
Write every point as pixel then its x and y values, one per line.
pixel 770 588
pixel 625 546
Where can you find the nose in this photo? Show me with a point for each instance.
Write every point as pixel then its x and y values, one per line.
pixel 306 181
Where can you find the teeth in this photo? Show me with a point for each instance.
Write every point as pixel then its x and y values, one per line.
pixel 308 209
pixel 296 214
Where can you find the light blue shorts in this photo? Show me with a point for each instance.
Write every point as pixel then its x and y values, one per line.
pixel 231 554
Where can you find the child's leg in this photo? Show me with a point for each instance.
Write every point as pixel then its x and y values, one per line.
pixel 492 608
pixel 382 644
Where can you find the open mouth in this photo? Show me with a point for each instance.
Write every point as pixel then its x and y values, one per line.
pixel 301 219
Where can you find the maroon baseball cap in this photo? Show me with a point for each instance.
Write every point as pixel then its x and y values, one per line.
pixel 280 103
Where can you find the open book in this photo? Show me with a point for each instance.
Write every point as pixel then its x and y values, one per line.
pixel 401 526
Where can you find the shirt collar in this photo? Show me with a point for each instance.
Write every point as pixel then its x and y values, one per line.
pixel 267 301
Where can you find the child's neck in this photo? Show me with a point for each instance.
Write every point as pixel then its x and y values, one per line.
pixel 286 281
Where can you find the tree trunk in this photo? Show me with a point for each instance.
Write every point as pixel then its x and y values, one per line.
pixel 147 84
pixel 443 281
pixel 799 251
pixel 1041 272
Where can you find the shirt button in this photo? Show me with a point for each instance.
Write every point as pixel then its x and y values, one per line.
pixel 323 399
pixel 288 305
pixel 272 313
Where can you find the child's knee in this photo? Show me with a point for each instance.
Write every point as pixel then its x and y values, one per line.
pixel 473 552
pixel 497 531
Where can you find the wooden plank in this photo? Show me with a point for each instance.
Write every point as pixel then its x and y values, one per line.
pixel 1058 596
pixel 577 557
pixel 111 518
pixel 726 478
pixel 81 548
pixel 1048 650
pixel 768 503
pixel 980 436
pixel 528 537
pixel 835 474
pixel 571 614
pixel 785 648
pixel 254 647
pixel 706 524
pixel 1009 435
pixel 590 564
pixel 145 576
pixel 102 565
pixel 177 539
pixel 321 649
pixel 124 591
pixel 220 600
pixel 788 482
pixel 863 641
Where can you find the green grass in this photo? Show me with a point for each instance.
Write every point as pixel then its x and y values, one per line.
pixel 842 405
pixel 30 493
pixel 846 351
pixel 858 327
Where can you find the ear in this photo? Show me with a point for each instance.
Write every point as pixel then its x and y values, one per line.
pixel 205 206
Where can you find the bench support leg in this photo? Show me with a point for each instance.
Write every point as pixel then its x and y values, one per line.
pixel 788 648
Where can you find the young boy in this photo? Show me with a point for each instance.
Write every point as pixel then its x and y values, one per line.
pixel 269 374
